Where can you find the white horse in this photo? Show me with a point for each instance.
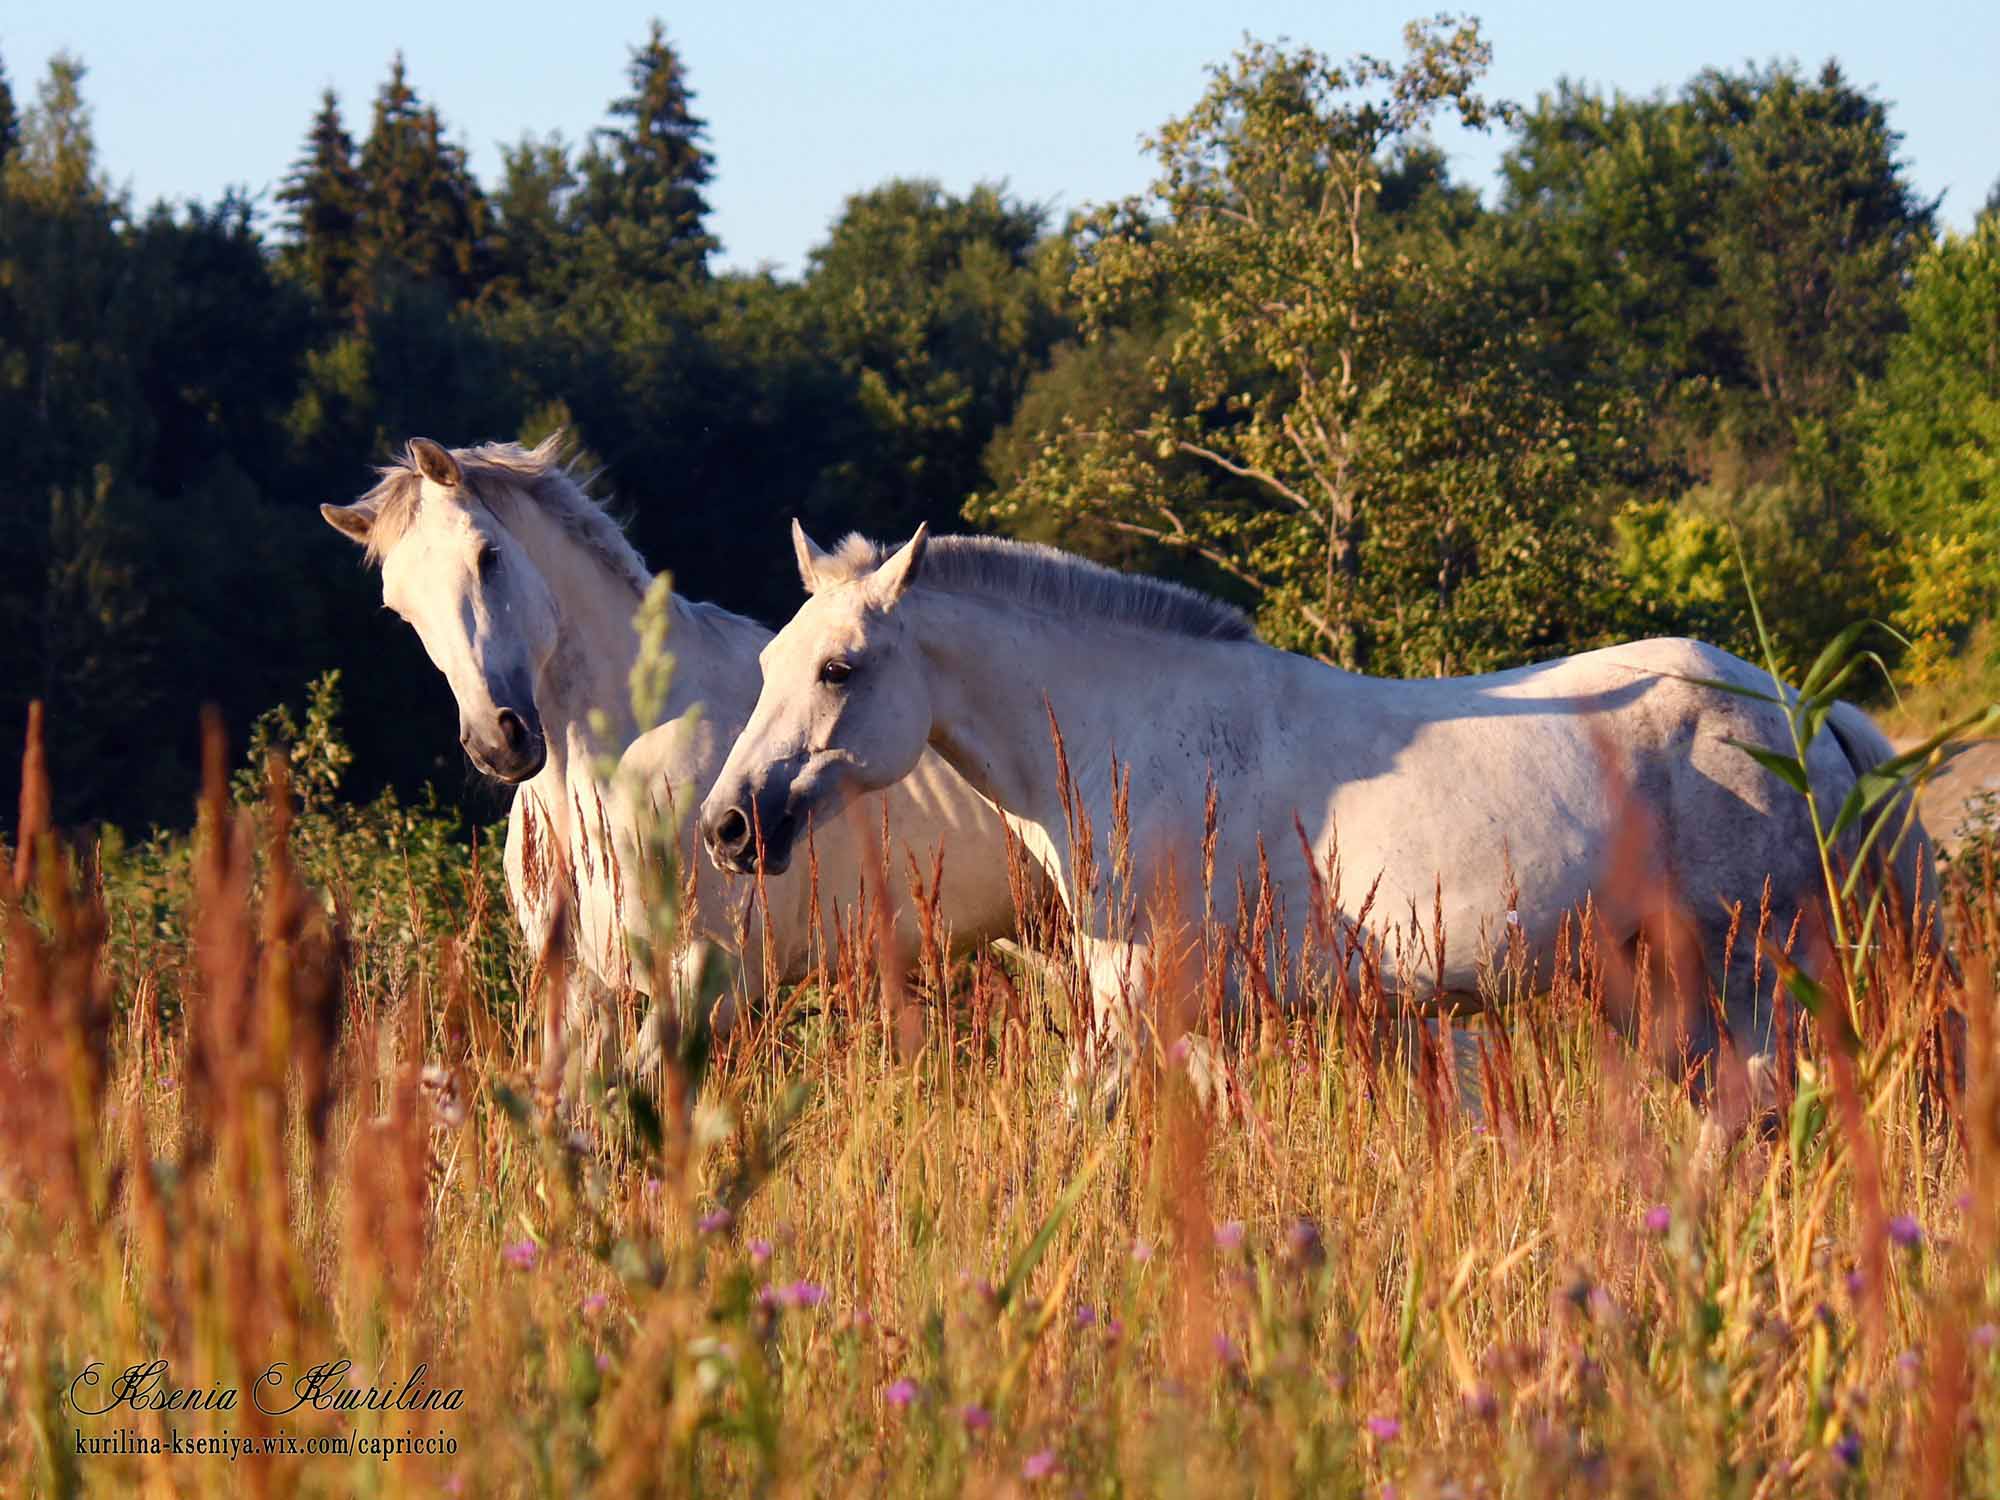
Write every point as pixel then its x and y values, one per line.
pixel 970 646
pixel 523 591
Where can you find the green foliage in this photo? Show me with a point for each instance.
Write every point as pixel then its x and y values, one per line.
pixel 640 206
pixel 1932 433
pixel 423 217
pixel 10 121
pixel 403 881
pixel 324 198
pixel 936 309
pixel 1394 467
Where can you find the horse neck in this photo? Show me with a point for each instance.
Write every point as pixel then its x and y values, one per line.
pixel 596 642
pixel 991 708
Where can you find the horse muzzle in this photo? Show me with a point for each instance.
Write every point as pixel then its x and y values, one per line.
pixel 515 753
pixel 739 832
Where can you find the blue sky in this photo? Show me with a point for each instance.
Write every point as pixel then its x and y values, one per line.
pixel 809 102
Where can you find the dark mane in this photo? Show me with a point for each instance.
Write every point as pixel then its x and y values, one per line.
pixel 1060 582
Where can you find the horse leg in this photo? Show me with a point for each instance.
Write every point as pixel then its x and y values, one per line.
pixel 1135 1004
pixel 588 1026
pixel 704 974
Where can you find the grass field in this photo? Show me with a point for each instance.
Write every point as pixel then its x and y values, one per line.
pixel 284 1092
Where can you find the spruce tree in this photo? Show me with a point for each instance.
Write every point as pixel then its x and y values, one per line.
pixel 641 206
pixel 323 208
pixel 423 217
pixel 10 122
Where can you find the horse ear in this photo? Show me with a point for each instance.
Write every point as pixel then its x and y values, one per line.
pixel 811 557
pixel 352 521
pixel 434 463
pixel 900 571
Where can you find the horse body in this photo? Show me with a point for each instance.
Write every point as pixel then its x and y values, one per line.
pixel 523 592
pixel 1436 788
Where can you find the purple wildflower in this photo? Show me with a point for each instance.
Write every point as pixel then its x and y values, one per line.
pixel 715 1221
pixel 1659 1219
pixel 976 1417
pixel 1384 1429
pixel 803 1294
pixel 1909 1366
pixel 652 1187
pixel 596 1302
pixel 603 1361
pixel 1985 1336
pixel 1848 1449
pixel 1229 1235
pixel 1856 1284
pixel 760 1251
pixel 1906 1231
pixel 1113 1330
pixel 1141 1251
pixel 979 1286
pixel 1226 1350
pixel 1482 1403
pixel 522 1255
pixel 901 1394
pixel 1039 1465
pixel 1085 1316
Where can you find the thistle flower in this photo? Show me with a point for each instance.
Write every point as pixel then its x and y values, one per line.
pixel 1038 1465
pixel 595 1303
pixel 803 1294
pixel 1229 1235
pixel 901 1393
pixel 1385 1429
pixel 1659 1219
pixel 522 1255
pixel 715 1221
pixel 760 1251
pixel 1906 1232
pixel 976 1417
pixel 1085 1316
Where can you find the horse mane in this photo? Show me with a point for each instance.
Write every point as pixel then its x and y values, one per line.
pixel 500 476
pixel 1061 582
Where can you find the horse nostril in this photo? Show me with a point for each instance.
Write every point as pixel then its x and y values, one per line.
pixel 731 831
pixel 512 730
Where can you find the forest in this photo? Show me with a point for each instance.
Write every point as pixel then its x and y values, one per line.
pixel 1415 428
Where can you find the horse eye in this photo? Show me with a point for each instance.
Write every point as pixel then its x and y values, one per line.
pixel 835 672
pixel 489 558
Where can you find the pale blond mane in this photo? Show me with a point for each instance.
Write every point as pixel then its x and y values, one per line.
pixel 1061 582
pixel 501 476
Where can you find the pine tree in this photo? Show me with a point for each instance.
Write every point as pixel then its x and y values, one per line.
pixel 324 204
pixel 423 217
pixel 641 205
pixel 10 122
pixel 536 185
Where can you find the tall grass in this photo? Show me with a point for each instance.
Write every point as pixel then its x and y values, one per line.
pixel 861 1244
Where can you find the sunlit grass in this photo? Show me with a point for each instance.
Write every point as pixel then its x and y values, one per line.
pixel 885 1257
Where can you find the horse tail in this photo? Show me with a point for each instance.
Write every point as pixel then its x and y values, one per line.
pixel 1864 744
